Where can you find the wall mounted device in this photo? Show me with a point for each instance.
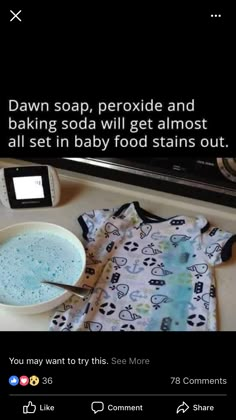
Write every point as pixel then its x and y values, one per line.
pixel 29 186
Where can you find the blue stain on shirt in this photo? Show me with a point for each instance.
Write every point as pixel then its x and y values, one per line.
pixel 176 309
pixel 177 259
pixel 179 287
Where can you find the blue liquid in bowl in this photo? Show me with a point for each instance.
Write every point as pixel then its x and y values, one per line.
pixel 27 259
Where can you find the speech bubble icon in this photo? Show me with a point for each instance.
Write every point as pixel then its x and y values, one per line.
pixel 97 406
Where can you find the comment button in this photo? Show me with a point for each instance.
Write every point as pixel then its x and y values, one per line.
pixel 97 406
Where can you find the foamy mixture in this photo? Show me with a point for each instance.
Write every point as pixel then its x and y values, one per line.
pixel 27 259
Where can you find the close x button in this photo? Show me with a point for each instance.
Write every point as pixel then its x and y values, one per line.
pixel 15 16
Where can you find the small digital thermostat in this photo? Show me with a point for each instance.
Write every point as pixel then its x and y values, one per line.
pixel 29 186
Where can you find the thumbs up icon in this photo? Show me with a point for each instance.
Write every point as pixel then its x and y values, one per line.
pixel 30 408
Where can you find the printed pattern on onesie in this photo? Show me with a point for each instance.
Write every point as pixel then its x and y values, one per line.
pixel 146 273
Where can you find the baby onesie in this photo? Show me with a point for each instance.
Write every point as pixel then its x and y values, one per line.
pixel 146 273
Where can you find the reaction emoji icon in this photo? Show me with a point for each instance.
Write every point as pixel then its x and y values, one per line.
pixel 34 380
pixel 176 239
pixel 24 380
pixel 13 380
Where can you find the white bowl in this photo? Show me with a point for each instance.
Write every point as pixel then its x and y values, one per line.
pixel 21 228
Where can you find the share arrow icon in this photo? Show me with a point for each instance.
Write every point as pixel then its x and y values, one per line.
pixel 182 407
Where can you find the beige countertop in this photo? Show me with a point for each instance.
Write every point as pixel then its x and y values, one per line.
pixel 81 193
